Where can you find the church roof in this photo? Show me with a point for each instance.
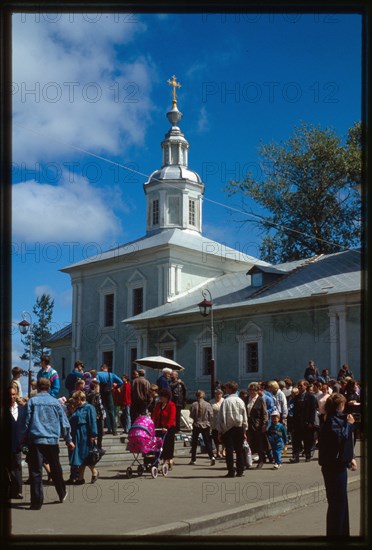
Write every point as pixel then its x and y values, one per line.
pixel 321 275
pixel 176 237
pixel 174 172
pixel 65 332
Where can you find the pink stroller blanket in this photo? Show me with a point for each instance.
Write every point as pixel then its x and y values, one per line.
pixel 142 438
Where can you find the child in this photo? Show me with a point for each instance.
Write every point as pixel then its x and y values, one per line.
pixel 277 435
pixel 94 398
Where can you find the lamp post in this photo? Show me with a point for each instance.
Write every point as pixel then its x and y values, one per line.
pixel 206 308
pixel 24 327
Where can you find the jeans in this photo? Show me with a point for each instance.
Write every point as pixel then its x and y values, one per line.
pixel 125 419
pixel 207 440
pixel 36 456
pixel 335 481
pixel 108 403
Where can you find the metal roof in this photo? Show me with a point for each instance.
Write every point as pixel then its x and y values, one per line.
pixel 65 332
pixel 184 238
pixel 325 274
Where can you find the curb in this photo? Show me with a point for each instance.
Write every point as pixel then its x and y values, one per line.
pixel 248 513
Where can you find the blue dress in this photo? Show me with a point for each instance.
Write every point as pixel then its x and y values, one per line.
pixel 83 427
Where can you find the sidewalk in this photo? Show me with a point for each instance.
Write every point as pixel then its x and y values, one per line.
pixel 190 500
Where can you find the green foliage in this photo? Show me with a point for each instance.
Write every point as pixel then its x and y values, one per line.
pixel 310 193
pixel 42 311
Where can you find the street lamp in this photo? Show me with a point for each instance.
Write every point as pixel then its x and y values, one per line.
pixel 206 308
pixel 24 328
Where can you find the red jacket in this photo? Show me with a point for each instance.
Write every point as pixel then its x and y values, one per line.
pixel 164 418
pixel 122 396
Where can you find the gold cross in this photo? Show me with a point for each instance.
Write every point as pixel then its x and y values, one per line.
pixel 175 85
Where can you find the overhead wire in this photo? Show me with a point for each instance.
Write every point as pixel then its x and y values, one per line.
pixel 212 201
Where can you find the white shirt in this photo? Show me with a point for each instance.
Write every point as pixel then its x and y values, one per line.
pixel 14 411
pixel 232 414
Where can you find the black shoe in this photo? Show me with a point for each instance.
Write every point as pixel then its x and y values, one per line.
pixel 78 482
pixel 18 496
pixel 259 465
pixel 294 460
pixel 70 481
pixel 35 507
pixel 230 474
pixel 240 474
pixel 63 498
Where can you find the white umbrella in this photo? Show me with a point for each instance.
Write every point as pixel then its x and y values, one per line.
pixel 158 362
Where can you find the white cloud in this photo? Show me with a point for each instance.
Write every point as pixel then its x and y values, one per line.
pixel 44 289
pixel 198 67
pixel 203 122
pixel 16 357
pixel 70 211
pixel 72 84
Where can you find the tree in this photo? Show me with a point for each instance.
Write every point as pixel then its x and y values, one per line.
pixel 310 193
pixel 42 311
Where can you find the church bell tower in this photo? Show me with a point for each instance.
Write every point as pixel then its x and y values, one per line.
pixel 174 194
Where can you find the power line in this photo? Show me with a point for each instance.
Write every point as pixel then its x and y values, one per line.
pixel 217 203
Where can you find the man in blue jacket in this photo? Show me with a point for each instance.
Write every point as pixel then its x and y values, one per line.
pixel 45 423
pixel 76 374
pixel 106 380
pixel 51 374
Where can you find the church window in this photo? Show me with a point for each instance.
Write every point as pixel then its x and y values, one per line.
pixel 252 357
pixel 204 353
pixel 168 353
pixel 155 212
pixel 133 357
pixel 167 346
pixel 109 310
pixel 206 361
pixel 173 210
pixel 191 212
pixel 137 301
pixel 107 359
pixel 250 342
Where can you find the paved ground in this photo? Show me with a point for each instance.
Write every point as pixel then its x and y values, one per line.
pixel 308 521
pixel 190 500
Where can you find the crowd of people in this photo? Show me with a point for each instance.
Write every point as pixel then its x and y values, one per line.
pixel 238 426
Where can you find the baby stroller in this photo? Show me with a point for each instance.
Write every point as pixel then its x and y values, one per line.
pixel 143 440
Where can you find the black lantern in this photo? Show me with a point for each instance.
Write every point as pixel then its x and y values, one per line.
pixel 23 327
pixel 205 307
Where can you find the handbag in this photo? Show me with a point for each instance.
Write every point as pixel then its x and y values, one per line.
pixel 93 457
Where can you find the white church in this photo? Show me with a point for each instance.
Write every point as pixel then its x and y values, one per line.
pixel 142 298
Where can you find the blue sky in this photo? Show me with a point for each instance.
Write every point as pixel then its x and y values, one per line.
pixel 97 84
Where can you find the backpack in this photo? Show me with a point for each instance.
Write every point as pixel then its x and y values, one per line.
pixel 106 387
